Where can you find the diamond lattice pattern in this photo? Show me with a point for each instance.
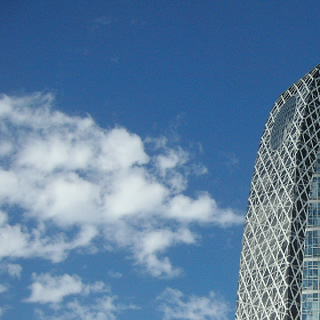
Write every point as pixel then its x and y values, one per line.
pixel 271 268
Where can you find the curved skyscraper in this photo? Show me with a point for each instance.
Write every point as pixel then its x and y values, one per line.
pixel 280 260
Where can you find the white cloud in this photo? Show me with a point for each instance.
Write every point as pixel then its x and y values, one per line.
pixel 102 308
pixel 103 21
pixel 154 242
pixel 3 218
pixel 2 311
pixel 93 301
pixel 47 288
pixel 175 305
pixel 20 242
pixel 3 288
pixel 5 148
pixel 115 274
pixel 13 269
pixel 87 182
pixel 14 240
pixel 171 160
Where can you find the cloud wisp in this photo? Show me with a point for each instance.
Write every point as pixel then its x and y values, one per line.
pixel 12 269
pixel 64 296
pixel 47 288
pixel 175 305
pixel 75 182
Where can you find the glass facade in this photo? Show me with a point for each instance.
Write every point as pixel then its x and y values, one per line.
pixel 311 260
pixel 284 117
pixel 280 259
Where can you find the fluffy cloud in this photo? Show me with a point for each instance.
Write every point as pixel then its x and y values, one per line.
pixel 175 305
pixel 47 288
pixel 59 291
pixel 103 308
pixel 75 182
pixel 13 269
pixel 19 241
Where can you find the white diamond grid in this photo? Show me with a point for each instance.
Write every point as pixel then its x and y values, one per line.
pixel 271 267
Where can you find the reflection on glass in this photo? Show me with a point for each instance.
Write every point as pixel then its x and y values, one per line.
pixel 283 118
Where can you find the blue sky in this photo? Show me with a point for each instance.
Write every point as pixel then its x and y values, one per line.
pixel 129 133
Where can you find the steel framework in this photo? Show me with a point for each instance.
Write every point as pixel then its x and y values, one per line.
pixel 280 259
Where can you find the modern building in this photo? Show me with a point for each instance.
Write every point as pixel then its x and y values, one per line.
pixel 280 260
